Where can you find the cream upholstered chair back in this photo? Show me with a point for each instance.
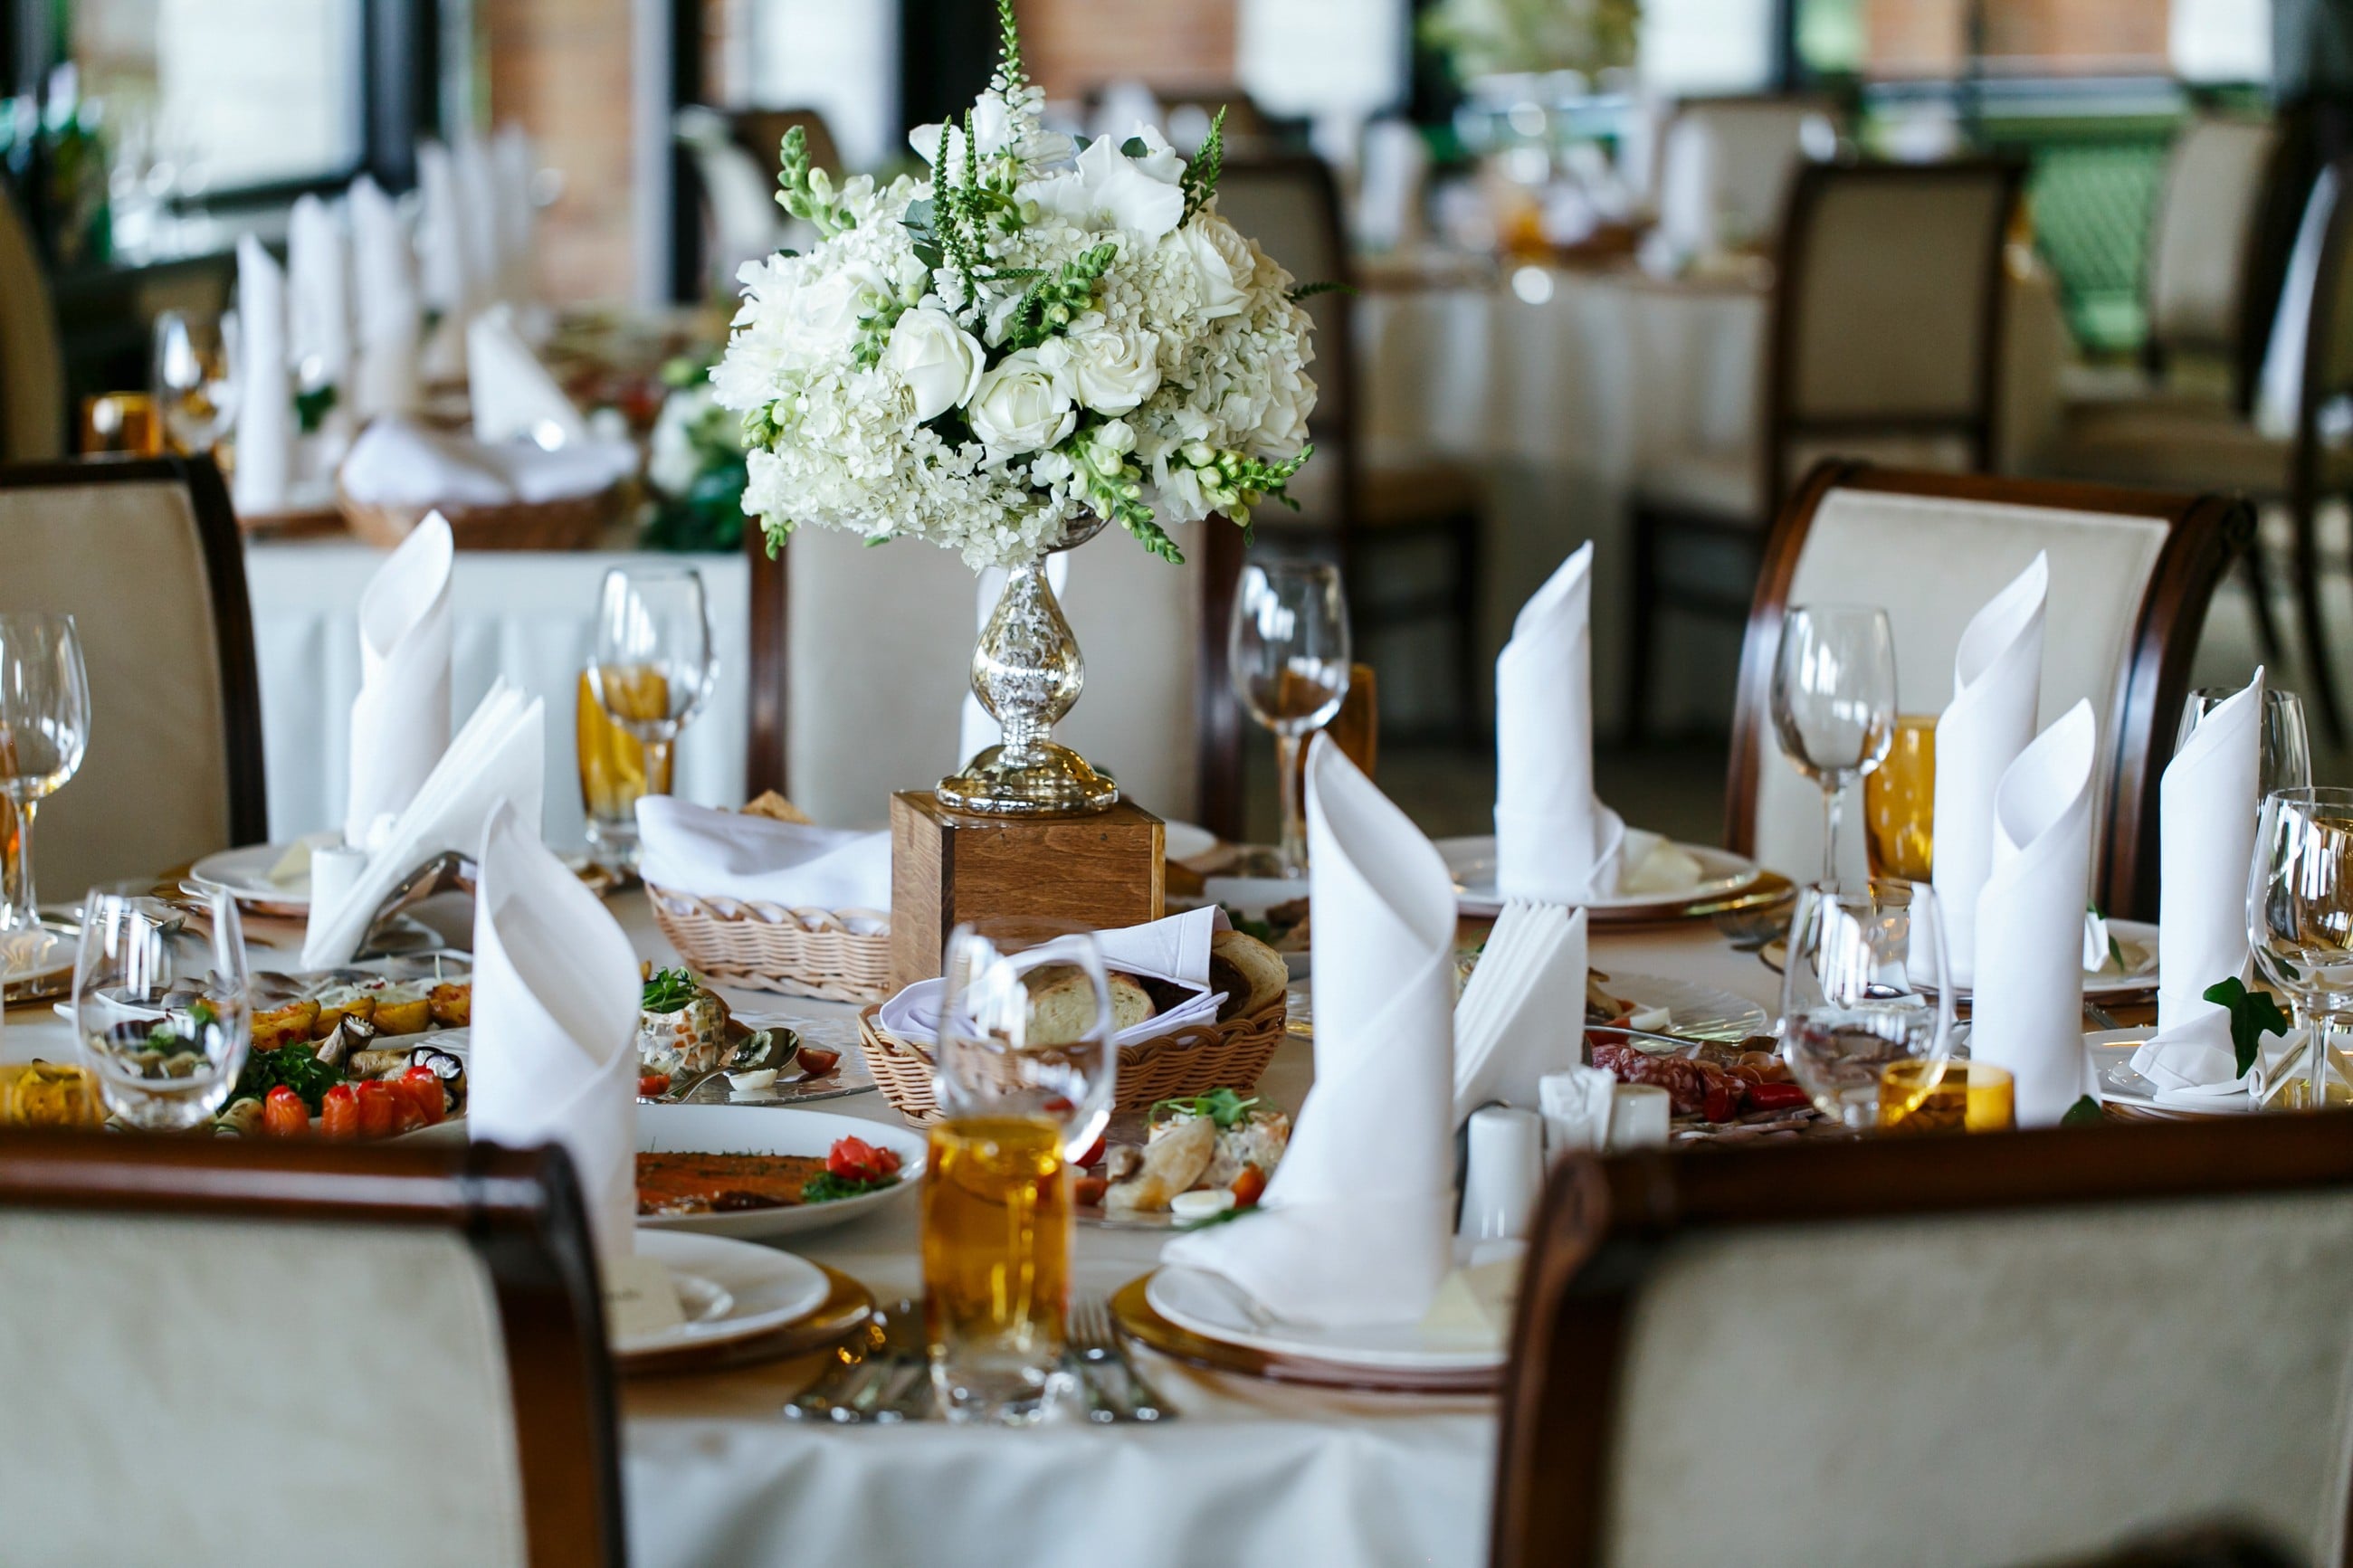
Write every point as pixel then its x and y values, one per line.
pixel 32 366
pixel 1996 1349
pixel 2202 237
pixel 1728 161
pixel 145 556
pixel 2131 576
pixel 223 1353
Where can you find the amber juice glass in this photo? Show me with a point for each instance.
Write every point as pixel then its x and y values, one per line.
pixel 996 1229
pixel 615 771
pixel 1899 802
pixel 1946 1097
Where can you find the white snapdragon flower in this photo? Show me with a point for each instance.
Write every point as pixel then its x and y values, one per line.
pixel 939 361
pixel 1114 371
pixel 1108 189
pixel 1023 403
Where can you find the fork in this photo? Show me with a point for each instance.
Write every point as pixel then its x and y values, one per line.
pixel 1104 1360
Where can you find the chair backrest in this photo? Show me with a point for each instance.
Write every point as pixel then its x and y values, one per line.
pixel 2204 231
pixel 2327 369
pixel 761 133
pixel 1999 1348
pixel 1726 163
pixel 32 366
pixel 2132 573
pixel 228 1352
pixel 862 658
pixel 145 556
pixel 1888 315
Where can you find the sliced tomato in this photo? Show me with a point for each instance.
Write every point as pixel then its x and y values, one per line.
pixel 1249 1185
pixel 338 1112
pixel 283 1114
pixel 856 1160
pixel 1095 1154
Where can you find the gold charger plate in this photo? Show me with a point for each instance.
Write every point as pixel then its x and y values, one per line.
pixel 848 1305
pixel 1132 1312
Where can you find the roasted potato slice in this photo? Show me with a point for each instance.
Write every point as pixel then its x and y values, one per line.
pixel 284 1025
pixel 451 1003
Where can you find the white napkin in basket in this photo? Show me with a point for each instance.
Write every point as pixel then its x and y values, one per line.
pixel 711 853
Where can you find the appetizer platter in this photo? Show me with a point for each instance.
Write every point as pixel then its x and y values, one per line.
pixel 692 1047
pixel 1198 1158
pixel 748 1172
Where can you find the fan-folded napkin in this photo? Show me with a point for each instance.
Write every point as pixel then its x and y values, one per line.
pixel 400 719
pixel 2028 1003
pixel 2206 841
pixel 554 1058
pixel 688 848
pixel 442 234
pixel 1997 681
pixel 514 398
pixel 318 275
pixel 1356 1225
pixel 383 278
pixel 1554 843
pixel 1521 1016
pixel 265 399
pixel 1175 949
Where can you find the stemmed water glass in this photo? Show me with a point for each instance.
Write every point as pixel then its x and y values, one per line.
pixel 161 1004
pixel 2300 918
pixel 1864 987
pixel 43 730
pixel 194 386
pixel 1287 656
pixel 2285 748
pixel 1834 702
pixel 652 667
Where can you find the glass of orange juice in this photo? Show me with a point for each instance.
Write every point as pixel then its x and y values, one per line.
pixel 1899 802
pixel 1954 1096
pixel 616 769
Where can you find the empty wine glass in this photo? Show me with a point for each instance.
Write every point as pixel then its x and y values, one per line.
pixel 2300 919
pixel 43 730
pixel 1288 656
pixel 1834 702
pixel 2284 760
pixel 161 1002
pixel 193 381
pixel 1863 987
pixel 652 667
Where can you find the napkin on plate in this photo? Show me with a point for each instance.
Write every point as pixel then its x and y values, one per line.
pixel 2027 1005
pixel 686 849
pixel 2206 839
pixel 1521 1016
pixel 554 1058
pixel 1173 949
pixel 400 719
pixel 265 398
pixel 1554 843
pixel 499 758
pixel 1357 1226
pixel 318 275
pixel 383 282
pixel 1997 681
pixel 515 398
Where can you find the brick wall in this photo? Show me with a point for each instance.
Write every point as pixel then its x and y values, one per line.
pixel 1073 46
pixel 561 69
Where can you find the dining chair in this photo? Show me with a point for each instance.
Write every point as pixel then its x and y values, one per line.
pixel 1885 341
pixel 144 554
pixel 1725 163
pixel 229 1352
pixel 2132 574
pixel 2008 1348
pixel 2208 234
pixel 32 364
pixel 1382 517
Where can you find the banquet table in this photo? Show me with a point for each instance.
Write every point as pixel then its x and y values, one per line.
pixel 1249 1473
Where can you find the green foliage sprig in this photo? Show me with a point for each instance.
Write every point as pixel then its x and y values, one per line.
pixel 807 192
pixel 1053 301
pixel 2253 1015
pixel 1199 181
pixel 1114 487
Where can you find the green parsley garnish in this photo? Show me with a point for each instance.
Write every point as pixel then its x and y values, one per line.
pixel 1222 1106
pixel 2085 1113
pixel 669 991
pixel 297 1067
pixel 825 1188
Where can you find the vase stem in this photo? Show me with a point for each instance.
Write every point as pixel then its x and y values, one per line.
pixel 1026 674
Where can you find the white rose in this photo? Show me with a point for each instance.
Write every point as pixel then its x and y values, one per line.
pixel 1115 370
pixel 1282 430
pixel 939 361
pixel 824 313
pixel 1221 261
pixel 1022 405
pixel 1108 189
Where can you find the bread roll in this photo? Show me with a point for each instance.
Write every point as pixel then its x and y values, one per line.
pixel 1062 1005
pixel 1250 973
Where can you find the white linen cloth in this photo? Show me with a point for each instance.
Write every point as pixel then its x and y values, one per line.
pixel 497 759
pixel 1554 843
pixel 384 283
pixel 554 1058
pixel 687 848
pixel 398 462
pixel 1357 1226
pixel 1521 1016
pixel 318 274
pixel 2206 841
pixel 513 397
pixel 1175 948
pixel 1997 679
pixel 265 396
pixel 976 731
pixel 2028 1002
pixel 400 719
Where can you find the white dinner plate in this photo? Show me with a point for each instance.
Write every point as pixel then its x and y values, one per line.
pixel 1694 1011
pixel 2140 982
pixel 1472 863
pixel 759 1289
pixel 1186 841
pixel 772 1129
pixel 1207 1305
pixel 2114 1081
pixel 243 874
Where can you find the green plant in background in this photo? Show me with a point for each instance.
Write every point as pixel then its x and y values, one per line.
pixel 1488 38
pixel 696 468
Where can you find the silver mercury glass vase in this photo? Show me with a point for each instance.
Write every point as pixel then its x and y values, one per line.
pixel 1026 672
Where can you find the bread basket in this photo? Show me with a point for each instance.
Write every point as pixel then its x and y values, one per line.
pixel 762 947
pixel 1188 1061
pixel 573 522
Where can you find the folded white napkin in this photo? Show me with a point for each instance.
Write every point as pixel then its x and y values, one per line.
pixel 1175 949
pixel 2028 1003
pixel 978 731
pixel 477 208
pixel 512 164
pixel 555 1024
pixel 1554 843
pixel 1357 1226
pixel 396 462
pixel 383 278
pixel 2206 835
pixel 500 757
pixel 400 719
pixel 442 234
pixel 1576 1104
pixel 515 398
pixel 318 273
pixel 1687 187
pixel 1997 681
pixel 713 853
pixel 1521 1016
pixel 265 395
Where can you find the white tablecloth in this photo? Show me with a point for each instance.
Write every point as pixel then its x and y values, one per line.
pixel 522 615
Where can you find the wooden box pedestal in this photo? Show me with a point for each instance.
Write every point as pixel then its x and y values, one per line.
pixel 1104 869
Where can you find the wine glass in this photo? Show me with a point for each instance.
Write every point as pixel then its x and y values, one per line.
pixel 43 730
pixel 161 1007
pixel 1834 702
pixel 1288 656
pixel 652 667
pixel 194 380
pixel 1025 1072
pixel 1864 986
pixel 2284 760
pixel 2300 918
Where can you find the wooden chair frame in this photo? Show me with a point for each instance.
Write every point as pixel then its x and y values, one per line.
pixel 521 1212
pixel 1606 1225
pixel 2206 534
pixel 2263 255
pixel 224 553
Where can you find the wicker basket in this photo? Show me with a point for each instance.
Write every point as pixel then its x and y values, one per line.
pixel 1192 1060
pixel 801 953
pixel 575 522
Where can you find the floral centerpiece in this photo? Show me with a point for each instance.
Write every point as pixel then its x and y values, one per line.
pixel 1039 339
pixel 694 465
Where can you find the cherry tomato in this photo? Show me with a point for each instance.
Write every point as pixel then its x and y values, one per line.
pixel 1249 1185
pixel 653 1086
pixel 338 1112
pixel 816 1062
pixel 283 1114
pixel 1089 1191
pixel 379 1110
pixel 423 1086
